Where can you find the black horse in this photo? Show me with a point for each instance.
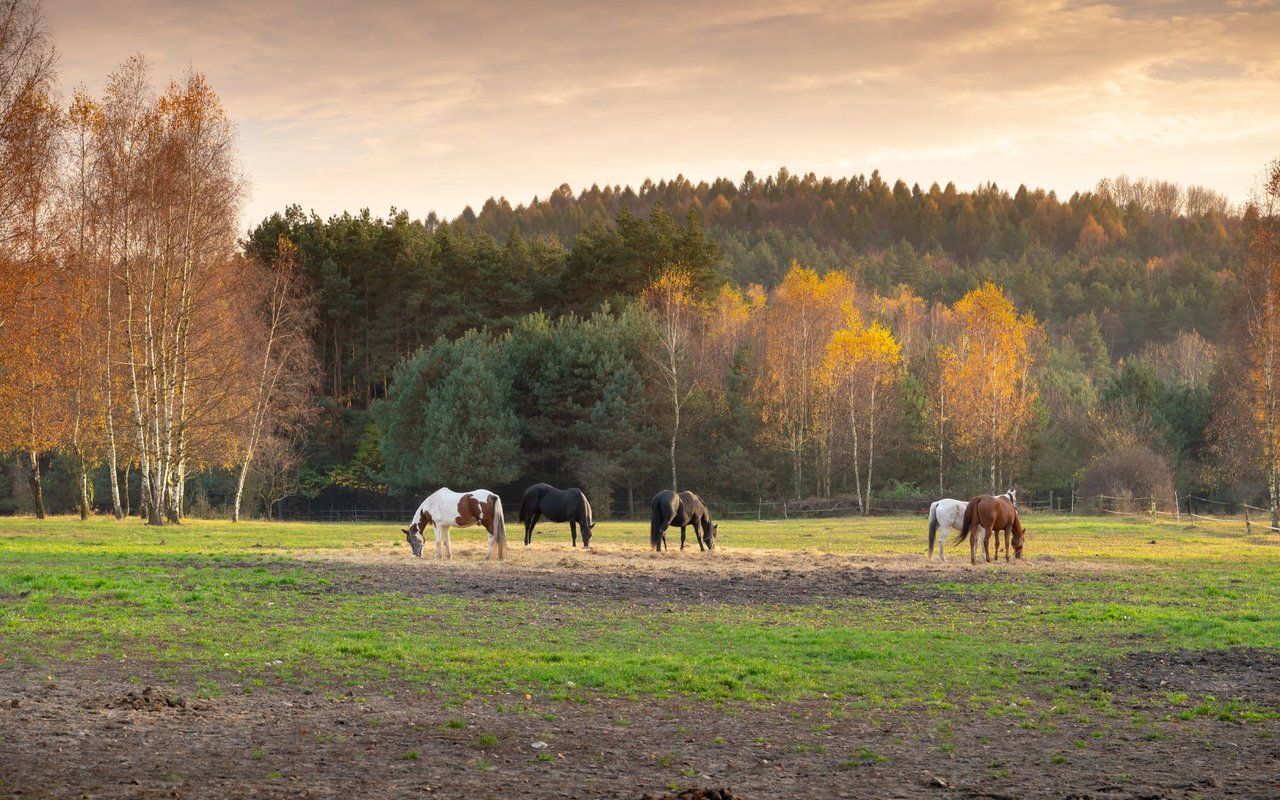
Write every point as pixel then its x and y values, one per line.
pixel 557 505
pixel 682 509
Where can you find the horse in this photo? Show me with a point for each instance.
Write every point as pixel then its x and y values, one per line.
pixel 948 513
pixel 682 509
pixel 945 513
pixel 994 514
pixel 446 509
pixel 557 505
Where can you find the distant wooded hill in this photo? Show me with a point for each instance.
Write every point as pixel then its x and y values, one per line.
pixel 1134 268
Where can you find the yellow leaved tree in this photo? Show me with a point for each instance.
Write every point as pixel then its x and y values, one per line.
pixel 861 372
pixel 988 383
pixel 792 334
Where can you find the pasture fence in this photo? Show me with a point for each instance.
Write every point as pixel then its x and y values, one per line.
pixel 1191 508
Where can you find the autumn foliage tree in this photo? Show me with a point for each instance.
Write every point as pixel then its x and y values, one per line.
pixel 989 384
pixel 861 370
pixel 1247 423
pixel 792 335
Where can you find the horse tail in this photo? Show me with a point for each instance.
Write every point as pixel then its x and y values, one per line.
pixel 933 526
pixel 499 528
pixel 528 502
pixel 655 525
pixel 970 514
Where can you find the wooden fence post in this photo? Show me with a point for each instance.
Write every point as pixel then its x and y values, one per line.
pixel 1153 509
pixel 1248 526
pixel 759 508
pixel 1191 514
pixel 1177 508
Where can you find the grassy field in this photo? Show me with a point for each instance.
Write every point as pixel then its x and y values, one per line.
pixel 239 608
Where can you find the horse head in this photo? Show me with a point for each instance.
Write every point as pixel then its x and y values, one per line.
pixel 1019 534
pixel 587 528
pixel 710 538
pixel 413 534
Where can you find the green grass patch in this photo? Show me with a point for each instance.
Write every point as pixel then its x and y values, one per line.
pixel 208 600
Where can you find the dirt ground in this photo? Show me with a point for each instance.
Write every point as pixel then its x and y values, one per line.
pixel 86 731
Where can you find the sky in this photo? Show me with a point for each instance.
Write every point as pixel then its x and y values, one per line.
pixel 436 105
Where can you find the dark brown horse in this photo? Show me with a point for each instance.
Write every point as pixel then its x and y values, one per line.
pixel 992 514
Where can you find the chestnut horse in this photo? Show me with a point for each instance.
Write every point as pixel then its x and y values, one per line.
pixel 993 514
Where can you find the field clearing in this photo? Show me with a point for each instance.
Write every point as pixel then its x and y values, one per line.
pixel 825 654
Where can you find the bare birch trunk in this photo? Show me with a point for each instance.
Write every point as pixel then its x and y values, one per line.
pixel 37 487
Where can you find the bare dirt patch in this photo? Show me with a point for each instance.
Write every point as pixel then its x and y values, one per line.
pixel 1241 674
pixel 631 574
pixel 58 739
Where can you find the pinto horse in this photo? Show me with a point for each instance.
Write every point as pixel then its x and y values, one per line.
pixel 682 509
pixel 558 505
pixel 994 514
pixel 447 509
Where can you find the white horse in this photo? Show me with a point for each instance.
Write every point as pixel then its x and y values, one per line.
pixel 945 513
pixel 948 513
pixel 447 509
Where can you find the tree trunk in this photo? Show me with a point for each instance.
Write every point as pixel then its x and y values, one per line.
pixel 235 507
pixel 37 488
pixel 84 486
pixel 871 446
pixel 127 509
pixel 857 469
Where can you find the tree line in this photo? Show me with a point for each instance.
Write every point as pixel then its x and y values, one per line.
pixel 135 338
pixel 786 337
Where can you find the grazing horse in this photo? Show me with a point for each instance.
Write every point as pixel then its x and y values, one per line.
pixel 944 514
pixel 994 514
pixel 682 509
pixel 558 505
pixel 447 509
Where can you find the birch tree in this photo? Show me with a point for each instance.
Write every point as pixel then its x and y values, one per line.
pixel 679 321
pixel 792 334
pixel 285 369
pixel 990 387
pixel 862 368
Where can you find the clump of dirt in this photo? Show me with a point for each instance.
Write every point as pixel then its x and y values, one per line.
pixel 696 793
pixel 149 699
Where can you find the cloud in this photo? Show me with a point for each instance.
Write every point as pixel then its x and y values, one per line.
pixel 439 105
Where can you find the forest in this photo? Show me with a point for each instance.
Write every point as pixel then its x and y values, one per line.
pixel 752 339
pixel 786 337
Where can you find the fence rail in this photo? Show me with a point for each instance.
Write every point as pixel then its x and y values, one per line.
pixel 1189 508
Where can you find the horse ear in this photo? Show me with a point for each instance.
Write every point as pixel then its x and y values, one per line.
pixel 405 531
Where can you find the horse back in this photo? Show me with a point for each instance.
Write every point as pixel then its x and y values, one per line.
pixel 692 508
pixel 531 499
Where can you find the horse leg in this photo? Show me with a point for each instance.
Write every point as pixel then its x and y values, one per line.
pixel 682 534
pixel 448 552
pixel 488 554
pixel 528 526
pixel 573 531
pixel 437 529
pixel 697 534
